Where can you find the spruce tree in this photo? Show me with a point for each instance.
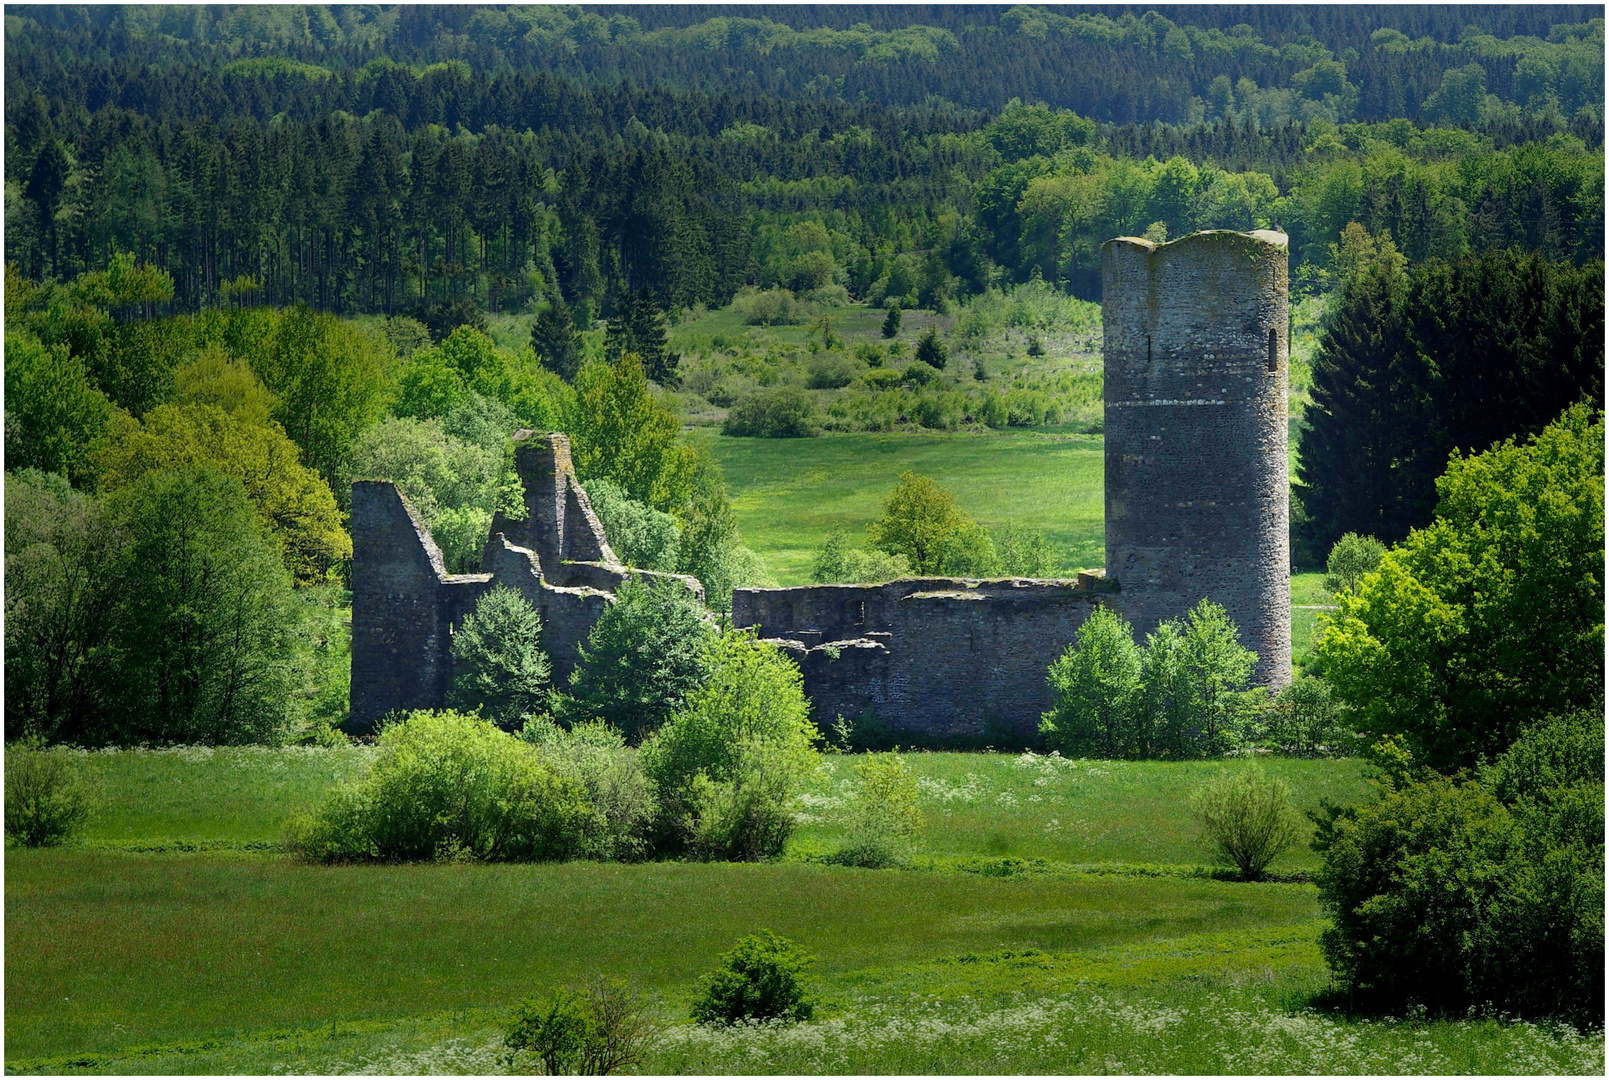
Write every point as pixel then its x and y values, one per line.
pixel 891 322
pixel 555 342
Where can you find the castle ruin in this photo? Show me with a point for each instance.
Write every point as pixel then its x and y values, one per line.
pixel 1197 505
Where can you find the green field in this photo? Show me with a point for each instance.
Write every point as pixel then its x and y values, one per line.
pixel 790 494
pixel 1056 919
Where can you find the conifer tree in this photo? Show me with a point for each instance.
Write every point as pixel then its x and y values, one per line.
pixel 554 340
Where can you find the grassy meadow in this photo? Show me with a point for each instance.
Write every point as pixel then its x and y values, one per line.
pixel 1057 917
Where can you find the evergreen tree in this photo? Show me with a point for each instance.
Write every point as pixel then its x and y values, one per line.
pixel 554 340
pixel 639 327
pixel 891 322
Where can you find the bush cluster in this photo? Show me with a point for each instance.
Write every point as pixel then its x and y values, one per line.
pixel 1183 694
pixel 784 412
pixel 759 980
pixel 1483 893
pixel 924 526
pixel 47 797
pixel 881 814
pixel 601 1029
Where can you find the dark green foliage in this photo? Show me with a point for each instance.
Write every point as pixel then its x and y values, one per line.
pixel 446 785
pixel 641 659
pixel 639 327
pixel 1491 614
pixel 759 980
pixel 499 668
pixel 554 340
pixel 1483 894
pixel 64 568
pixel 598 1030
pixel 891 322
pixel 785 412
pixel 1449 357
pixel 930 350
pixel 1307 719
pixel 1035 347
pixel 445 316
pixel 205 624
pixel 47 796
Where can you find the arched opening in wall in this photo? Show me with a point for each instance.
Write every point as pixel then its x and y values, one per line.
pixel 1273 349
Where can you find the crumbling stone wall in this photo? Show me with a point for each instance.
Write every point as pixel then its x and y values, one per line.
pixel 1197 496
pixel 941 656
pixel 405 606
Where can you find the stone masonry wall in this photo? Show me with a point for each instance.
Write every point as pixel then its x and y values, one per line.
pixel 940 656
pixel 1197 496
pixel 405 606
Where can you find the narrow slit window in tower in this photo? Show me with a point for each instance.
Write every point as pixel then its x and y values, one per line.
pixel 1273 349
pixel 1147 348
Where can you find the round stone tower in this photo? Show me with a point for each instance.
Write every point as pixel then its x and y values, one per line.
pixel 1197 493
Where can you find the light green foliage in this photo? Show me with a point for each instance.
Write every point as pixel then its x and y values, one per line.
pixel 329 385
pixel 838 560
pixel 596 1031
pixel 1247 820
pixel 55 416
pixel 919 519
pixel 620 433
pixel 1493 613
pixel 619 794
pixel 640 535
pixel 759 980
pixel 1484 893
pixel 1306 719
pixel 771 307
pixel 205 625
pixel 48 798
pixel 1096 683
pixel 1352 557
pixel 1188 697
pixel 1024 552
pixel 882 814
pixel 499 668
pixel 295 506
pixel 642 658
pixel 447 785
pixel 325 663
pixel 731 761
pixel 784 412
pixel 455 484
pixel 711 548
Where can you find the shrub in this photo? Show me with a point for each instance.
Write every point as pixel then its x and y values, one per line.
pixel 1024 552
pixel 1484 894
pixel 1306 719
pixel 1247 820
pixel 1096 686
pixel 446 785
pixel 1352 557
pixel 757 981
pixel 620 796
pixel 643 656
pixel 601 1029
pixel 930 350
pixel 736 755
pixel 832 370
pixel 784 412
pixel 883 813
pixel 1491 615
pixel 47 797
pixel 773 307
pixel 919 373
pixel 640 535
pixel 839 561
pixel 499 668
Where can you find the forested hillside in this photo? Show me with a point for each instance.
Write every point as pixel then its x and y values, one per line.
pixel 375 159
